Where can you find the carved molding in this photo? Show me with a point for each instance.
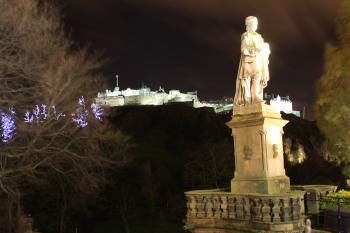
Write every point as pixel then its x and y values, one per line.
pixel 263 149
pixel 275 150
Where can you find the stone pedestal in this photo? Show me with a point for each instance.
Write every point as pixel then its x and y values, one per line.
pixel 257 131
pixel 260 199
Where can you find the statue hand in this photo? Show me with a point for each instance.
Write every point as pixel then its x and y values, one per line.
pixel 263 83
pixel 251 51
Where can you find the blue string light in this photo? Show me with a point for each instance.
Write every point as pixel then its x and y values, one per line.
pixel 28 117
pixel 97 111
pixel 40 113
pixel 81 114
pixel 8 125
pixel 57 115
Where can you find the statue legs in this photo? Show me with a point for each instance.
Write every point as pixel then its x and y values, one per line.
pixel 249 86
pixel 256 89
pixel 243 95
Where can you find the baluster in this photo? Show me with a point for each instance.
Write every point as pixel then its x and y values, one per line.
pixel 232 207
pixel 265 210
pixel 209 207
pixel 286 210
pixel 253 208
pixel 246 208
pixel 295 208
pixel 276 211
pixel 200 206
pixel 193 206
pixel 239 208
pixel 224 207
pixel 217 209
pixel 257 209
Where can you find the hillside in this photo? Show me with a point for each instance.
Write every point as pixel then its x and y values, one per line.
pixel 176 148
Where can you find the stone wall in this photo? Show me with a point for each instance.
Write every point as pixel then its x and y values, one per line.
pixel 221 211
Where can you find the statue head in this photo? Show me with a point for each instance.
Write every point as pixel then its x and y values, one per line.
pixel 251 23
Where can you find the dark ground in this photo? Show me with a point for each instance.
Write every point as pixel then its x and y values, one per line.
pixel 175 148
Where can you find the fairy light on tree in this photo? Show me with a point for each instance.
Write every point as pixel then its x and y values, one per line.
pixel 8 125
pixel 81 114
pixel 36 113
pixel 28 117
pixel 38 62
pixel 40 113
pixel 97 111
pixel 57 115
pixel 44 111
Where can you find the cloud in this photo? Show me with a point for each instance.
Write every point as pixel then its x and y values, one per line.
pixel 219 23
pixel 287 22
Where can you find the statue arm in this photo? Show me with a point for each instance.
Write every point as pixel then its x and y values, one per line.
pixel 246 49
pixel 266 54
pixel 266 48
pixel 249 50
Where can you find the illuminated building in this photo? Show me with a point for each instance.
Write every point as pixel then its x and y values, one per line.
pixel 145 96
pixel 284 104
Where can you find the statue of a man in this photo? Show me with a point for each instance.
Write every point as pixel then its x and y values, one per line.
pixel 253 71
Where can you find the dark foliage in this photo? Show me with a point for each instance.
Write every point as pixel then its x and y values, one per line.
pixel 315 169
pixel 178 148
pixel 175 149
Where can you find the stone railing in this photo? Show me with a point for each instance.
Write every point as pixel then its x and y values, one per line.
pixel 222 208
pixel 313 194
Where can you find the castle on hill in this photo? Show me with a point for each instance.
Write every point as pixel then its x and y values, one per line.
pixel 145 96
pixel 284 104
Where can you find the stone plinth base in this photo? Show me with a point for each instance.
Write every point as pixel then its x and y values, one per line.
pixel 269 185
pixel 217 211
pixel 257 134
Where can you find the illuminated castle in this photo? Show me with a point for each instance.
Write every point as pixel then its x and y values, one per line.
pixel 284 104
pixel 145 96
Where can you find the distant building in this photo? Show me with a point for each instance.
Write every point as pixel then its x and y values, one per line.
pixel 145 96
pixel 284 104
pixel 142 96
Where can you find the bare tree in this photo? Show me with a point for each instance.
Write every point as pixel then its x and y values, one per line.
pixel 39 65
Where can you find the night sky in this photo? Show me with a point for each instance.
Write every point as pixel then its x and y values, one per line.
pixel 194 45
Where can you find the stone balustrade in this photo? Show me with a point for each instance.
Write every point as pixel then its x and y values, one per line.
pixel 220 209
pixel 313 194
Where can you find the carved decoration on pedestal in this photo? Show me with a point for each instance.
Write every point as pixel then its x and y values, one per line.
pixel 248 152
